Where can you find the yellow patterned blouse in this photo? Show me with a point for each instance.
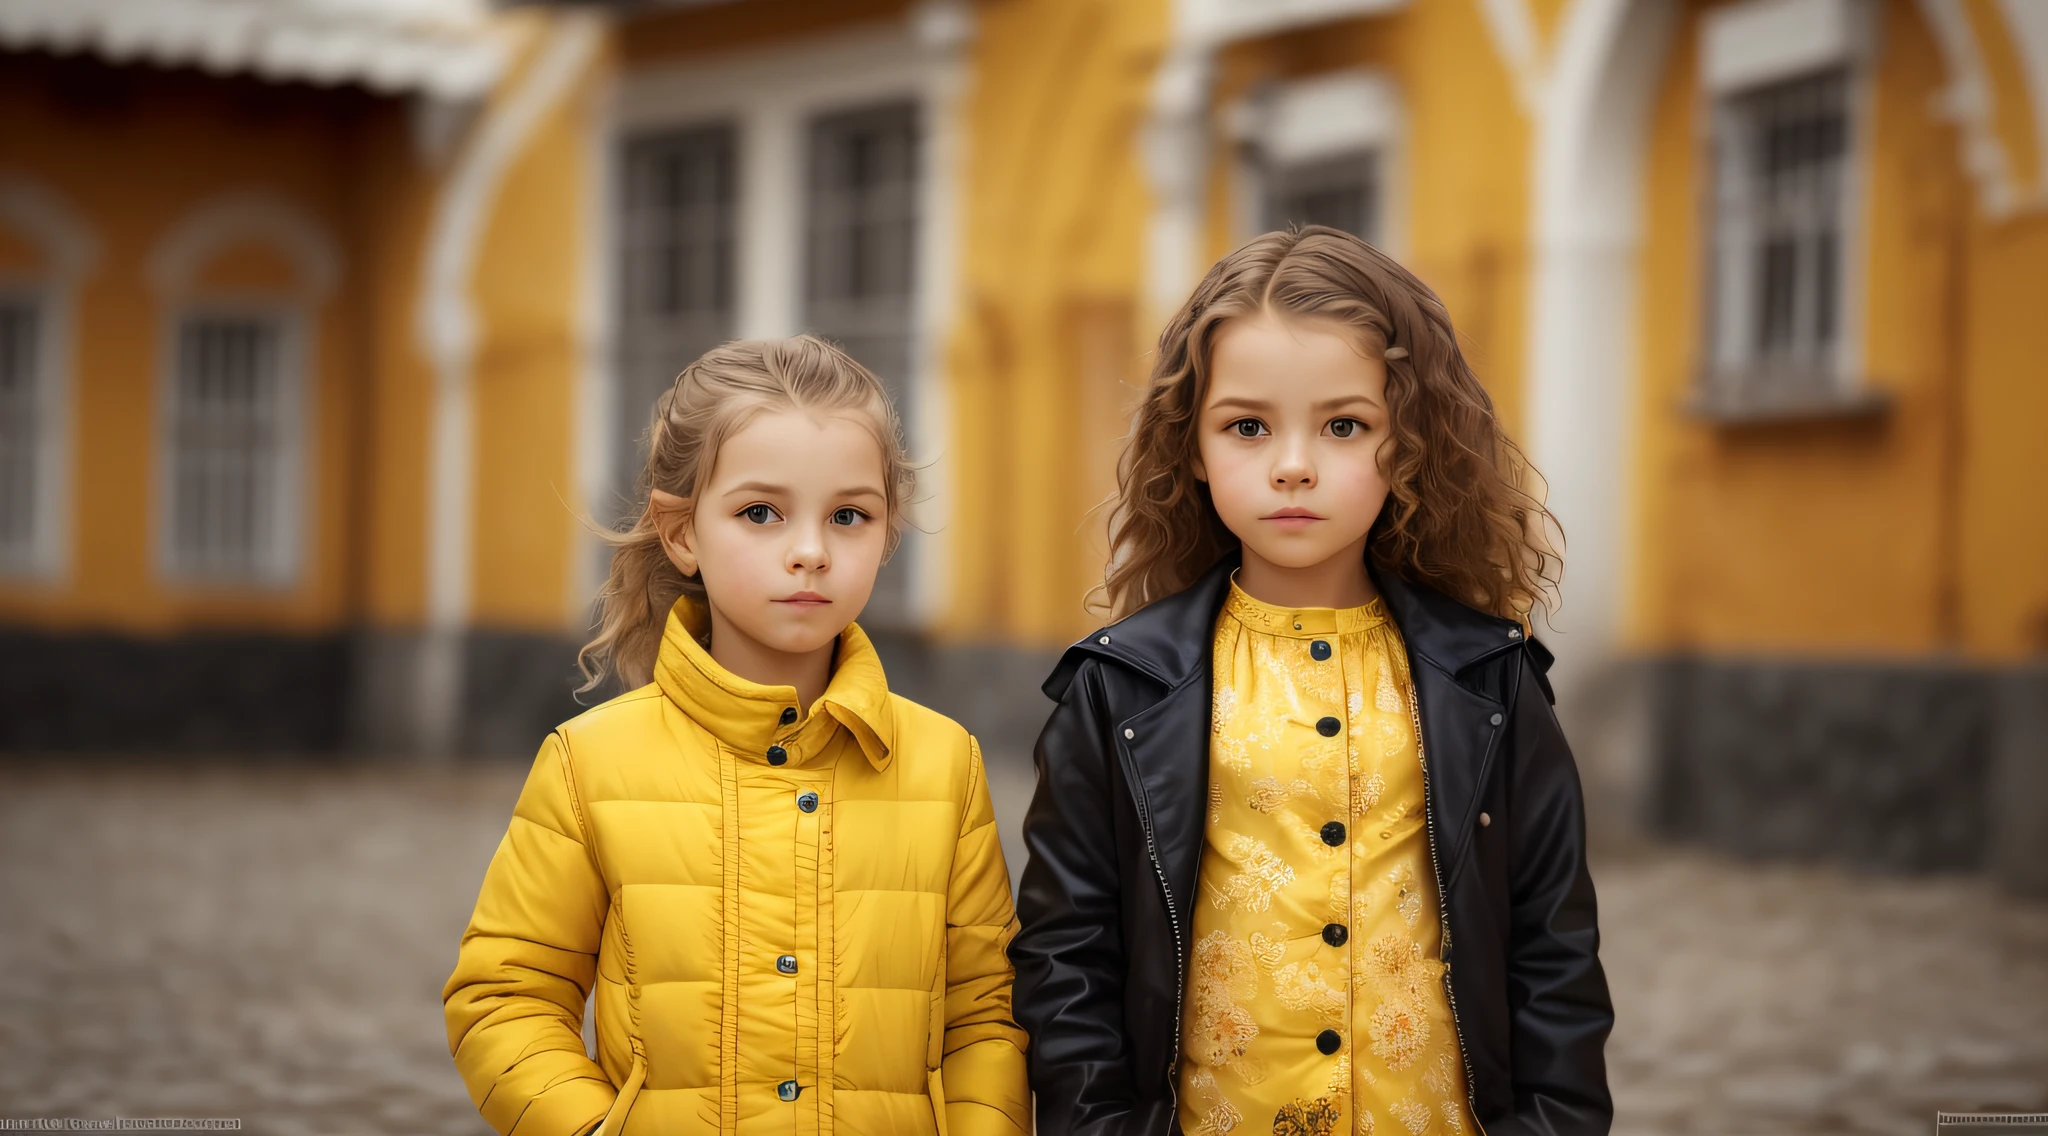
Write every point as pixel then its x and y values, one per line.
pixel 1315 1000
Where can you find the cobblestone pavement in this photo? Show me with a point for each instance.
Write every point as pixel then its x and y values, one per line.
pixel 269 943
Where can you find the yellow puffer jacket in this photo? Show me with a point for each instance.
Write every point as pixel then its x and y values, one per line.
pixel 793 926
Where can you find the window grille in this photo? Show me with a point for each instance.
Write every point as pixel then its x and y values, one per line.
pixel 232 451
pixel 23 431
pixel 1780 155
pixel 860 278
pixel 1342 192
pixel 676 259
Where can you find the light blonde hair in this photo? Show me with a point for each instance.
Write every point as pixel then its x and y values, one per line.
pixel 1459 516
pixel 710 401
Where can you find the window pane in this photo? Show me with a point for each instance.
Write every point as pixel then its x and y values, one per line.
pixel 20 432
pixel 227 450
pixel 1780 154
pixel 860 266
pixel 676 268
pixel 1341 192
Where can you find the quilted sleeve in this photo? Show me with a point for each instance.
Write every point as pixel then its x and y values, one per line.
pixel 987 1092
pixel 514 1004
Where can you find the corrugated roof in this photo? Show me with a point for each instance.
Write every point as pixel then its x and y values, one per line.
pixel 449 48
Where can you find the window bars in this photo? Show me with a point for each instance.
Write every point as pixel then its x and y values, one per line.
pixel 1342 192
pixel 231 447
pixel 22 434
pixel 676 255
pixel 1780 159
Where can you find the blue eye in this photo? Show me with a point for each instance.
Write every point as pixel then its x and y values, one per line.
pixel 848 515
pixel 1248 427
pixel 761 514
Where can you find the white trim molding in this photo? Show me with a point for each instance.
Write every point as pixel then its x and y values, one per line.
pixel 1335 114
pixel 1758 42
pixel 445 328
pixel 69 250
pixel 175 263
pixel 1970 103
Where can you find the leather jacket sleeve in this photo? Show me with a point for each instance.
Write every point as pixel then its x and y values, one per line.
pixel 1557 992
pixel 1069 952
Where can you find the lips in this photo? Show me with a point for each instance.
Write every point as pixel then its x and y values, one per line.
pixel 1292 513
pixel 805 599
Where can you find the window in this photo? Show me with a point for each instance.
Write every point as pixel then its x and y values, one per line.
pixel 1780 157
pixel 860 267
pixel 860 274
pixel 23 435
pixel 676 252
pixel 232 451
pixel 1342 192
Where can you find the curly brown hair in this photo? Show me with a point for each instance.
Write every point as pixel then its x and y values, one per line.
pixel 1460 516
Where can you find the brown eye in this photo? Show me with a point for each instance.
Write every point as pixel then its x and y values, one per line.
pixel 1248 427
pixel 760 514
pixel 848 515
pixel 1346 427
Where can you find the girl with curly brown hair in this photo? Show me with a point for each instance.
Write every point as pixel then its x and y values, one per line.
pixel 1316 748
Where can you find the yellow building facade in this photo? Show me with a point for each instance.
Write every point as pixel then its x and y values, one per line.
pixel 317 370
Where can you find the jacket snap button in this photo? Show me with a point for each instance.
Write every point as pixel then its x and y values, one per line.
pixel 1104 640
pixel 1335 934
pixel 777 755
pixel 786 963
pixel 1129 734
pixel 1495 719
pixel 789 715
pixel 1328 727
pixel 1484 820
pixel 788 1090
pixel 1514 633
pixel 1319 650
pixel 1333 833
pixel 808 802
pixel 1327 1042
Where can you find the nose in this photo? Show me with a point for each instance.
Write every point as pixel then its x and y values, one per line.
pixel 1294 469
pixel 806 552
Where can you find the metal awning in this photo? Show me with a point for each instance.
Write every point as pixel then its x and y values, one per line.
pixel 446 48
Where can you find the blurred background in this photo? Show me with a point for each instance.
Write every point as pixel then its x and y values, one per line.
pixel 325 325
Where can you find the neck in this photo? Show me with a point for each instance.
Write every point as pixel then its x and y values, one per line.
pixel 1340 581
pixel 755 661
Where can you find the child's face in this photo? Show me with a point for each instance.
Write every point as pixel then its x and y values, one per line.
pixel 791 529
pixel 1290 435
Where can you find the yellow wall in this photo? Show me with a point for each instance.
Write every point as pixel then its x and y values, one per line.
pixel 133 153
pixel 1053 207
pixel 1467 163
pixel 1913 532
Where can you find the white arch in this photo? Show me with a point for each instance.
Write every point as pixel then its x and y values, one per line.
pixel 174 265
pixel 69 251
pixel 1591 132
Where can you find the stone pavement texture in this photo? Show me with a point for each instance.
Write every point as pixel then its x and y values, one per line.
pixel 269 944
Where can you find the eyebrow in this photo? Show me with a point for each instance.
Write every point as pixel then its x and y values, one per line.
pixel 1261 404
pixel 770 488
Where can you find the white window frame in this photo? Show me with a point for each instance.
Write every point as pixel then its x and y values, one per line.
pixel 772 94
pixel 1746 48
pixel 37 558
pixel 278 563
pixel 1347 113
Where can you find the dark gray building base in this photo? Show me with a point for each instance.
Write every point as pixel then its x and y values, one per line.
pixel 1885 766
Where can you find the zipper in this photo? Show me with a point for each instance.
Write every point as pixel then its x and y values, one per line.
pixel 1179 952
pixel 1443 910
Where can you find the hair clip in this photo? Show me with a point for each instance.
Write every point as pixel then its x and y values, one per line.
pixel 1394 353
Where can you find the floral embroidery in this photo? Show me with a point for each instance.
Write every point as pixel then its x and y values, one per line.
pixel 1409 903
pixel 1318 1117
pixel 1398 1033
pixel 1268 794
pixel 1454 1116
pixel 1365 795
pixel 1413 1115
pixel 1385 698
pixel 1300 986
pixel 1261 876
pixel 1215 803
pixel 1361 1125
pixel 1269 951
pixel 1220 1118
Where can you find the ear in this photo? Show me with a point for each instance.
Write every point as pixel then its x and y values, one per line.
pixel 673 517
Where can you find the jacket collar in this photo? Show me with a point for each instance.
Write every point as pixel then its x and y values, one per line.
pixel 747 716
pixel 1169 639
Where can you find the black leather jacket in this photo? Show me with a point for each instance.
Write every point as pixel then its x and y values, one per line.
pixel 1115 840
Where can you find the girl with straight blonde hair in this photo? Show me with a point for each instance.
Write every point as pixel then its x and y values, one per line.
pixel 777 883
